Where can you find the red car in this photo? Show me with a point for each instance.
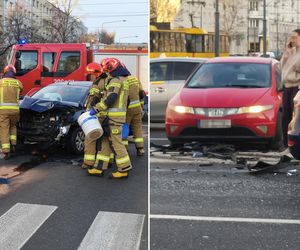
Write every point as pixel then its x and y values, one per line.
pixel 233 99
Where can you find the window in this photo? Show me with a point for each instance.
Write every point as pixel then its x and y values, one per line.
pixel 68 62
pixel 254 5
pixel 159 71
pixel 248 75
pixel 182 70
pixel 253 23
pixel 48 62
pixel 27 61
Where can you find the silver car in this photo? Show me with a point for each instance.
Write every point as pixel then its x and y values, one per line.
pixel 167 76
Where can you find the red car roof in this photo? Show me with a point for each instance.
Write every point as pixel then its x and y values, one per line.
pixel 242 59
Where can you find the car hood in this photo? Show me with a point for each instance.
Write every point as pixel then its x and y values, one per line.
pixel 40 105
pixel 221 97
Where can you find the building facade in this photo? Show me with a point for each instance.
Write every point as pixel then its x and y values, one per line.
pixel 242 20
pixel 37 15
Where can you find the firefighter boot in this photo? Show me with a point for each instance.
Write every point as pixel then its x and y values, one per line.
pixel 95 172
pixel 140 151
pixel 85 166
pixel 119 175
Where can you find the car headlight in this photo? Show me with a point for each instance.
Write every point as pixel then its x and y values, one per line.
pixel 254 109
pixel 184 110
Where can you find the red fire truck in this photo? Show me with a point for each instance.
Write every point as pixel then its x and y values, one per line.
pixel 38 65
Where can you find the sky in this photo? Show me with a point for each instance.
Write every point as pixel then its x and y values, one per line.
pixel 96 14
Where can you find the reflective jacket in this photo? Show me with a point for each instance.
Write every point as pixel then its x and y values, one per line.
pixel 10 89
pixel 96 92
pixel 113 104
pixel 136 95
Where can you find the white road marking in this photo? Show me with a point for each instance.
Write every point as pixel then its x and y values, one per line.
pixel 113 231
pixel 158 139
pixel 20 222
pixel 224 219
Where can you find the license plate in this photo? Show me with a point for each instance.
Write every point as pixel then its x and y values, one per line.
pixel 214 124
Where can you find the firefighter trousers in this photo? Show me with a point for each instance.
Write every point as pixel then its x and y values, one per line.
pixel 89 152
pixel 111 145
pixel 8 128
pixel 134 121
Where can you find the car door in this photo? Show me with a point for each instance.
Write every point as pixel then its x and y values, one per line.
pixel 160 74
pixel 180 72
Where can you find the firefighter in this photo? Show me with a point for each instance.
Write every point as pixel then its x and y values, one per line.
pixel 95 70
pixel 10 89
pixel 134 113
pixel 112 111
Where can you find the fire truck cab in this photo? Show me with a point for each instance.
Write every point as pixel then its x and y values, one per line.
pixel 39 65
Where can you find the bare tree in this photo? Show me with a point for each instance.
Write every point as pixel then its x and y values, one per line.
pixel 64 27
pixel 18 25
pixel 106 37
pixel 232 17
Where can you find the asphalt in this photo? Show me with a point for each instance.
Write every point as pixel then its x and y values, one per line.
pixel 79 198
pixel 183 186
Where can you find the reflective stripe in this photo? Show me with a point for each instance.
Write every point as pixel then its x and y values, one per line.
pixel 121 100
pixel 88 157
pixel 13 137
pixel 116 113
pixel 5 146
pixel 133 105
pixel 123 160
pixel 116 110
pixel 125 142
pixel 8 104
pixel 112 156
pixel 113 84
pixel 94 90
pixel 8 107
pixel 104 158
pixel 139 139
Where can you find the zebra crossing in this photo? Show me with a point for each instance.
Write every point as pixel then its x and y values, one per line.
pixel 109 230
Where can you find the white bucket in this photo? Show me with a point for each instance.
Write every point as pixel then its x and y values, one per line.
pixel 90 126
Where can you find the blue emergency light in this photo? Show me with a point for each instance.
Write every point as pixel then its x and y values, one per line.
pixel 22 41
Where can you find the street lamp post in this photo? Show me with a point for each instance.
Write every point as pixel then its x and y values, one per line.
pixel 217 28
pixel 265 30
pixel 117 21
pixel 202 3
pixel 127 37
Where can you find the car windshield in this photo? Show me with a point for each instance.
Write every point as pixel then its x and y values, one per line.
pixel 222 75
pixel 62 93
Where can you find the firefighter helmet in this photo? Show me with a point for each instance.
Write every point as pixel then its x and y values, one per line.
pixel 110 64
pixel 9 67
pixel 94 69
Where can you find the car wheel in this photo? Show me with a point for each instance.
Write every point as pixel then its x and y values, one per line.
pixel 277 141
pixel 76 141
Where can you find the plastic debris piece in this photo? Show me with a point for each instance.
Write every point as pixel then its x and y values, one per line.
pixel 197 154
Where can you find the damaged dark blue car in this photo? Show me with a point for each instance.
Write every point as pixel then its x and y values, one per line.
pixel 49 117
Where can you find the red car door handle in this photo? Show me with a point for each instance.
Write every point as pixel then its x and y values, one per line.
pixel 160 90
